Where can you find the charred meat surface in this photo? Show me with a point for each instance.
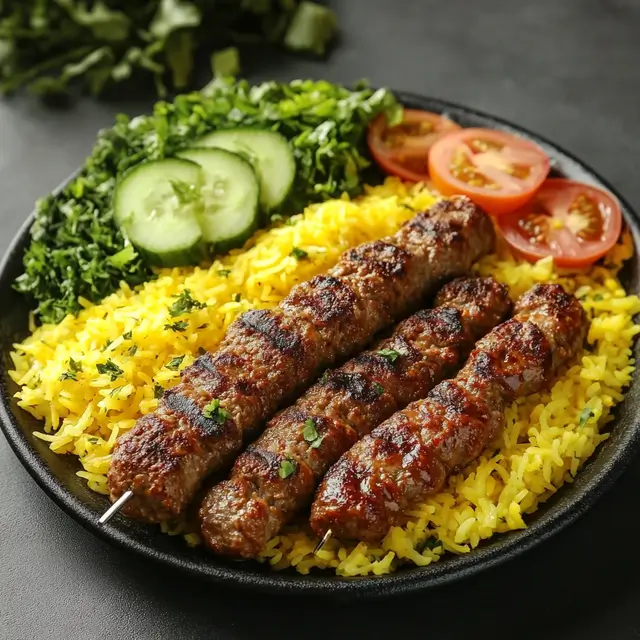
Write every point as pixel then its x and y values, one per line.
pixel 269 357
pixel 409 456
pixel 276 476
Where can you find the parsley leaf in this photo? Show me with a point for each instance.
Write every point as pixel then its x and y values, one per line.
pixel 224 273
pixel 287 468
pixel 110 368
pixel 184 304
pixel 389 354
pixel 158 390
pixel 299 254
pixel 178 327
pixel 236 297
pixel 174 363
pixel 133 350
pixel 213 411
pixel 378 388
pixel 311 435
pixel 69 375
pixel 128 335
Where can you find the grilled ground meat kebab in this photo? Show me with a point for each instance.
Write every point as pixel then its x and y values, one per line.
pixel 409 457
pixel 277 475
pixel 268 357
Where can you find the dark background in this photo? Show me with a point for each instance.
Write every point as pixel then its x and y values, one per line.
pixel 567 69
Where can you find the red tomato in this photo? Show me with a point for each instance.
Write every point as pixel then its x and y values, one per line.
pixel 402 150
pixel 497 170
pixel 573 222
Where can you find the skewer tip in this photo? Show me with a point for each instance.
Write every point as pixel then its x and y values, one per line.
pixel 115 507
pixel 323 541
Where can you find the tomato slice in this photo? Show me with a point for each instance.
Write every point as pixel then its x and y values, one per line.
pixel 573 222
pixel 402 150
pixel 497 170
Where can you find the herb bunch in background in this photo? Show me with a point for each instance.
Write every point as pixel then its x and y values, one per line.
pixel 76 248
pixel 47 45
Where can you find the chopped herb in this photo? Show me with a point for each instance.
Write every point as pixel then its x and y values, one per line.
pixel 213 411
pixel 74 366
pixel 378 388
pixel 203 326
pixel 93 440
pixel 299 254
pixel 325 377
pixel 116 391
pixel 185 193
pixel 178 327
pixel 287 468
pixel 110 368
pixel 158 390
pixel 133 350
pixel 389 354
pixel 69 375
pixel 598 297
pixel 236 297
pixel 224 273
pixel 311 435
pixel 586 415
pixel 174 363
pixel 432 543
pixel 128 335
pixel 407 206
pixel 184 304
pixel 107 344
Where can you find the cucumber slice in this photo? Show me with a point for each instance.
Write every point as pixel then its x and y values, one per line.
pixel 270 155
pixel 230 197
pixel 156 204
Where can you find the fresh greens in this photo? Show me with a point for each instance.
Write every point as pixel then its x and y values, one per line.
pixel 77 249
pixel 48 45
pixel 213 411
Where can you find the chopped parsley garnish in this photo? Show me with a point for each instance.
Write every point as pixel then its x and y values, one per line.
pixel 93 440
pixel 325 377
pixel 116 391
pixel 378 388
pixel 389 354
pixel 407 206
pixel 432 543
pixel 224 273
pixel 107 344
pixel 287 468
pixel 299 254
pixel 133 350
pixel 213 411
pixel 178 327
pixel 69 375
pixel 311 435
pixel 585 415
pixel 203 326
pixel 158 390
pixel 128 335
pixel 185 304
pixel 598 297
pixel 74 367
pixel 110 368
pixel 174 363
pixel 236 297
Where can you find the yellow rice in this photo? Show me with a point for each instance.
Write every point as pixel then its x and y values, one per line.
pixel 548 436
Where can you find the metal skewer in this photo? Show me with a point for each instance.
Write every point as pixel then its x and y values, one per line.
pixel 115 507
pixel 323 541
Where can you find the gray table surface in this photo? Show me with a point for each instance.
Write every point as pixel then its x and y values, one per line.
pixel 565 69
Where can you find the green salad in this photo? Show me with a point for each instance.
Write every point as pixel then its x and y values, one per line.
pixel 196 178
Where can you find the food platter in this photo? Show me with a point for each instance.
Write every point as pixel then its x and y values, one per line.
pixel 56 474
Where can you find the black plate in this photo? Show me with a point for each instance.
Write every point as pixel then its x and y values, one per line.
pixel 56 474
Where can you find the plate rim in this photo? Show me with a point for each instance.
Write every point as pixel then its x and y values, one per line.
pixel 412 579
